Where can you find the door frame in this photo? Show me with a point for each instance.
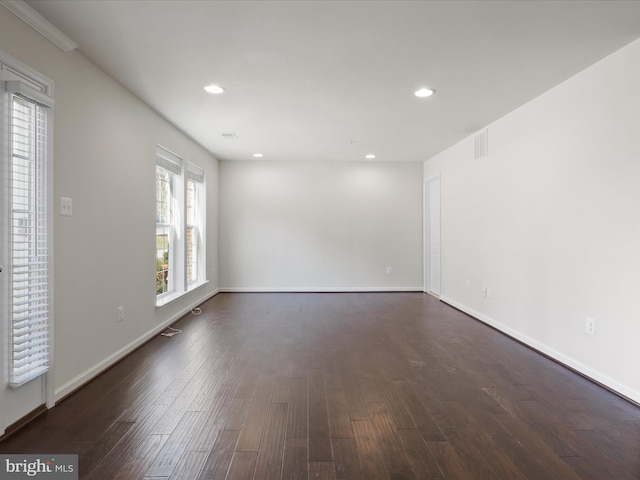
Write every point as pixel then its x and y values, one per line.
pixel 427 234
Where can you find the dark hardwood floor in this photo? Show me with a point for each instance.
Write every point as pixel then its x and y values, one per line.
pixel 338 386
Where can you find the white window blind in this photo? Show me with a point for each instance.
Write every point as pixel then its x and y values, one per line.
pixel 168 160
pixel 195 173
pixel 29 239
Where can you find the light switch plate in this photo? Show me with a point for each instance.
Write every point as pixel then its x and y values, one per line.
pixel 66 206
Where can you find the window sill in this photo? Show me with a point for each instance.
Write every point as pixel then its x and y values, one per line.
pixel 168 298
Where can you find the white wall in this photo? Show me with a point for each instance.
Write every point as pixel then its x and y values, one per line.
pixel 551 222
pixel 104 150
pixel 320 226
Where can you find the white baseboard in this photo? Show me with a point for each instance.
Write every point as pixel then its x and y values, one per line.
pixel 112 359
pixel 319 289
pixel 570 362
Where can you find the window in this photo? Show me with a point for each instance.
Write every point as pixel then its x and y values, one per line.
pixel 28 233
pixel 195 225
pixel 165 232
pixel 180 206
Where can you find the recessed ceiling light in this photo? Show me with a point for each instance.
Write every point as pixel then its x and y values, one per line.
pixel 370 156
pixel 258 155
pixel 215 89
pixel 424 92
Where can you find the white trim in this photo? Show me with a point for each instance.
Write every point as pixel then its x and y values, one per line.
pixel 168 160
pixel 21 78
pixel 40 24
pixel 426 235
pixel 49 379
pixel 317 289
pixel 168 297
pixel 24 90
pixel 14 69
pixel 112 359
pixel 594 375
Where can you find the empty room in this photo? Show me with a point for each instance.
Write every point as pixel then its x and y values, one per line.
pixel 392 240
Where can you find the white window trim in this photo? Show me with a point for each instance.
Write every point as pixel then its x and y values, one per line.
pixel 29 83
pixel 178 261
pixel 196 174
pixel 173 164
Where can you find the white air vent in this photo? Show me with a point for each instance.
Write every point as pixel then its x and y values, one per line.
pixel 230 136
pixel 481 145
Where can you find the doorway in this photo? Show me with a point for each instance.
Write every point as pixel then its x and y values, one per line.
pixel 432 247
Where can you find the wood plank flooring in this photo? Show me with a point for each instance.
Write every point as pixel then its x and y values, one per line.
pixel 345 386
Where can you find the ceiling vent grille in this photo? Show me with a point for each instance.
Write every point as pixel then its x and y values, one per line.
pixel 230 136
pixel 481 145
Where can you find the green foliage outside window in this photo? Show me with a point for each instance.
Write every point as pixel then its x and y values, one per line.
pixel 162 273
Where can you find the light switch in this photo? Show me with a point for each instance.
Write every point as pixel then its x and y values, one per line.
pixel 65 206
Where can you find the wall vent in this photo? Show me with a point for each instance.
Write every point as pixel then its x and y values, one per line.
pixel 481 145
pixel 230 136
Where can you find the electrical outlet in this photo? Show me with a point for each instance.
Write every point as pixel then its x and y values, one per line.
pixel 468 284
pixel 590 325
pixel 488 292
pixel 120 314
pixel 484 292
pixel 388 270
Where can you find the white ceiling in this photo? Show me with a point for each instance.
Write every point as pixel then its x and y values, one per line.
pixel 334 80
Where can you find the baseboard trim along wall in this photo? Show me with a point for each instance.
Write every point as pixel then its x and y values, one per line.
pixel 319 289
pixel 593 375
pixel 111 360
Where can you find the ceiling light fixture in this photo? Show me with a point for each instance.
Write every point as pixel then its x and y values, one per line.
pixel 258 155
pixel 370 156
pixel 215 89
pixel 424 92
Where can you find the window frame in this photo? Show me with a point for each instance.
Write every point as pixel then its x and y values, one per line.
pixel 167 228
pixel 22 82
pixel 196 176
pixel 182 172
